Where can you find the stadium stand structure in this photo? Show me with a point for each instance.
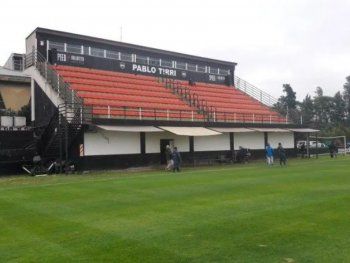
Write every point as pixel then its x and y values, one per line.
pixel 104 104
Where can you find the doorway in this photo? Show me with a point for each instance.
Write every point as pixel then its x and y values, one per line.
pixel 163 144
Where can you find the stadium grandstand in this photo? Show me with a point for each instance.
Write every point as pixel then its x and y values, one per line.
pixel 101 104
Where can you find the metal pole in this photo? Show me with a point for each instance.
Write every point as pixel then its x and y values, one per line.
pixel 60 134
pixel 308 145
pixel 316 145
pixel 66 140
pixel 345 145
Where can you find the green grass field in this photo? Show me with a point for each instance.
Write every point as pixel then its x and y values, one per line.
pixel 239 213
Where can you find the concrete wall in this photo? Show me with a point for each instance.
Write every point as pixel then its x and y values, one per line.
pixel 118 143
pixel 153 141
pixel 107 143
pixel 212 143
pixel 286 138
pixel 251 140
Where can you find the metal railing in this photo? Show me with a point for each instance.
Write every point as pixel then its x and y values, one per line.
pixel 129 113
pixel 73 104
pixel 255 92
pixel 190 97
pixel 75 114
pixel 51 75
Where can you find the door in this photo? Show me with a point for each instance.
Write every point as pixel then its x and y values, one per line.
pixel 163 144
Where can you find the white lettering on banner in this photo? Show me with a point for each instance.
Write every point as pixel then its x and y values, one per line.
pixel 77 58
pixel 153 70
pixel 61 57
pixel 212 77
pixel 166 71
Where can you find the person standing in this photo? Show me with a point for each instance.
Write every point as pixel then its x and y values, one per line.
pixel 168 157
pixel 333 150
pixel 176 158
pixel 302 150
pixel 269 154
pixel 282 154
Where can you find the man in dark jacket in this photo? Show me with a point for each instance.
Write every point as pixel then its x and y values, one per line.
pixel 282 154
pixel 169 162
pixel 302 150
pixel 176 158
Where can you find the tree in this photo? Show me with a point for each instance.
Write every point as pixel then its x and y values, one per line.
pixel 307 110
pixel 338 109
pixel 290 98
pixel 346 96
pixel 26 112
pixel 287 103
pixel 323 106
pixel 319 92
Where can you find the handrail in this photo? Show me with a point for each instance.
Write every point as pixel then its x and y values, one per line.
pixel 65 92
pixel 52 76
pixel 190 97
pixel 138 113
pixel 254 92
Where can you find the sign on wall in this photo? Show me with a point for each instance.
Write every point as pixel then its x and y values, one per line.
pixel 134 68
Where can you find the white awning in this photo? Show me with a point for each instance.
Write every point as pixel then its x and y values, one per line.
pixel 232 129
pixel 304 130
pixel 129 128
pixel 190 131
pixel 269 130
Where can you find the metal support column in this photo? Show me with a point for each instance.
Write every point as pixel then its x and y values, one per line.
pixel 308 145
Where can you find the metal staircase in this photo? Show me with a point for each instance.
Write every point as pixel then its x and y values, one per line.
pixel 71 115
pixel 190 98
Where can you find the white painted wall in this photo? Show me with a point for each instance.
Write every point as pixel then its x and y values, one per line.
pixel 111 142
pixel 153 141
pixel 212 143
pixel 286 138
pixel 251 140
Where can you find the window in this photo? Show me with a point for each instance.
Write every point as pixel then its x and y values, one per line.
pixel 213 70
pixel 73 49
pixel 191 67
pixel 112 54
pixel 180 65
pixel 126 57
pixel 86 51
pixel 202 69
pixel 57 46
pixel 141 60
pixel 166 63
pixel 154 62
pixel 224 72
pixel 97 52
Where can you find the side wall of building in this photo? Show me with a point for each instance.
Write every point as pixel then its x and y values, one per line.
pixel 153 141
pixel 212 143
pixel 250 140
pixel 111 143
pixel 286 138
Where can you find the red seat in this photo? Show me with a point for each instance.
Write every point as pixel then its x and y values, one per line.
pixel 117 94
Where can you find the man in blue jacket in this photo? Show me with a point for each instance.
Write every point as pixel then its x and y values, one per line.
pixel 269 154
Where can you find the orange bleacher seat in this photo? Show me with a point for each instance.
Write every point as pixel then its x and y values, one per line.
pixel 118 94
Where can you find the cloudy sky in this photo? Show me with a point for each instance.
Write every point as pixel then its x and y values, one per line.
pixel 302 42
